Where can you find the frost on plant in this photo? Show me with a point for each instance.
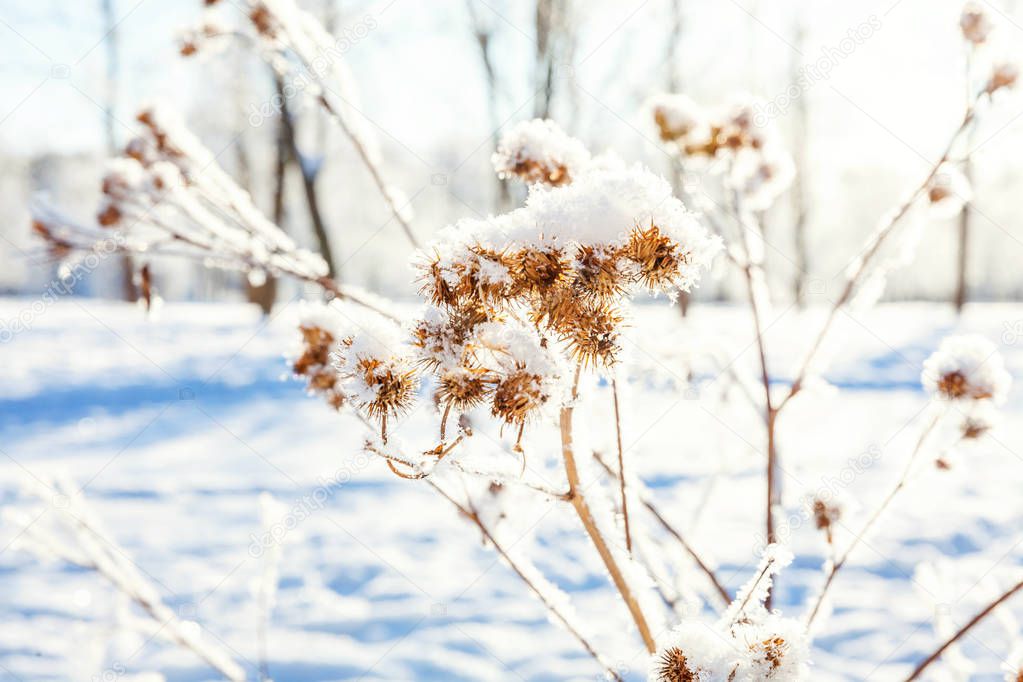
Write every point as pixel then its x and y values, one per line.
pixel 514 300
pixel 731 140
pixel 540 151
pixel 966 368
pixel 749 643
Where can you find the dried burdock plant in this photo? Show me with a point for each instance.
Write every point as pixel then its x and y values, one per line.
pixel 167 196
pixel 975 23
pixel 539 151
pixel 733 142
pixel 519 308
pixel 826 515
pixel 966 368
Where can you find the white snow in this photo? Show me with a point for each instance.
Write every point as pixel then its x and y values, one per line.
pixel 176 427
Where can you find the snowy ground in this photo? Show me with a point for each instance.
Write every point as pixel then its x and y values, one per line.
pixel 175 427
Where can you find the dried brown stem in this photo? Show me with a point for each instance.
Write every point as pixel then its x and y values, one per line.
pixel 981 615
pixel 872 520
pixel 621 466
pixel 751 270
pixel 586 517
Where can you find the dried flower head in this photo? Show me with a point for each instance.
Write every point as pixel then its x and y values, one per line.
pixel 948 190
pixel 980 419
pixel 319 326
pixel 1003 76
pixel 527 372
pixel 692 652
pixel 677 117
pixel 599 273
pixel 518 395
pixel 673 666
pixel 975 23
pixel 539 151
pixel 464 387
pixel 657 256
pixel 826 513
pixel 539 270
pixel 592 335
pixel 777 649
pixel 375 370
pixel 966 368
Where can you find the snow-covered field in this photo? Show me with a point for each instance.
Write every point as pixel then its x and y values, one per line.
pixel 175 426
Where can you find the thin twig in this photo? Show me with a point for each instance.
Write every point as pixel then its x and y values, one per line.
pixel 873 247
pixel 986 611
pixel 621 466
pixel 872 520
pixel 753 272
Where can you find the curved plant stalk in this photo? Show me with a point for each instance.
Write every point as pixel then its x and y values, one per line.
pixel 589 523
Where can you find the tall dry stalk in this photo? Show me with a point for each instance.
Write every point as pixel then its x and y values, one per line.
pixel 582 509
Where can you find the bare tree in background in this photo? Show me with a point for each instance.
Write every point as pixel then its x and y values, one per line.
pixel 798 190
pixel 264 293
pixel 128 290
pixel 553 44
pixel 309 167
pixel 286 154
pixel 962 255
pixel 483 34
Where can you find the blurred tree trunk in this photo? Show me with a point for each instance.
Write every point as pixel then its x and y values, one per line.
pixel 264 293
pixel 959 296
pixel 552 37
pixel 799 191
pixel 309 167
pixel 964 239
pixel 483 35
pixel 127 268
